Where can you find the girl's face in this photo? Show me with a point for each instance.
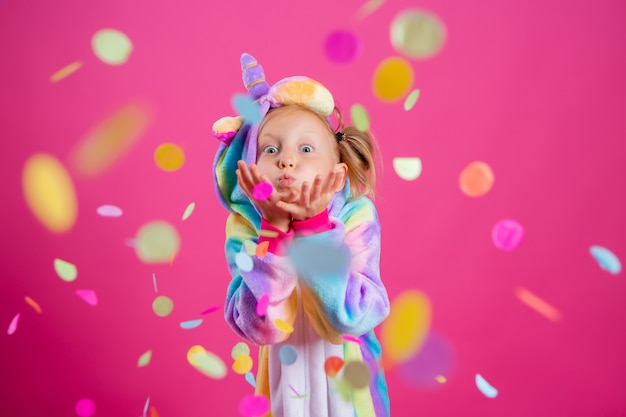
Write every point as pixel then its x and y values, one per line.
pixel 294 145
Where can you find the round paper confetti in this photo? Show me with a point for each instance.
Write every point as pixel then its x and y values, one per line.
pixel 359 117
pixel 485 387
pixel 606 259
pixel 169 157
pixel 242 364
pixel 404 331
pixel 262 304
pixel 287 355
pixel 357 374
pixel 88 296
pixel 244 262
pixel 111 139
pixel 248 109
pixel 254 406
pixel 283 326
pixel 239 349
pixel 476 179
pixel 392 79
pixel 411 99
pixel 333 365
pixel 109 210
pixel 407 168
pixel 111 46
pixel 162 306
pixel 342 46
pixel 194 351
pixel 210 365
pixel 49 192
pixel 156 242
pixel 262 191
pixel 434 359
pixel 65 270
pixel 319 257
pixel 191 324
pixel 189 210
pixel 13 325
pixel 144 359
pixel 417 34
pixel 507 234
pixel 85 407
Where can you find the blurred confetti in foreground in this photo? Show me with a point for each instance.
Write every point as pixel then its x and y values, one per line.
pixel 206 363
pixel 537 304
pixel 606 259
pixel 427 368
pixel 408 169
pixel 162 306
pixel 485 387
pixel 507 234
pixel 169 157
pixel 111 46
pixel 109 210
pixel 343 46
pixel 13 325
pixel 417 33
pixel 254 406
pixel 49 192
pixel 359 117
pixel 65 71
pixel 393 78
pixel 476 179
pixel 65 270
pixel 85 407
pixel 156 242
pixel 368 8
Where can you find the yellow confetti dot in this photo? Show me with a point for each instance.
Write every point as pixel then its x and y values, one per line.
pixel 193 351
pixel 49 192
pixel 242 364
pixel 407 168
pixel 417 34
pixel 162 306
pixel 476 179
pixel 392 79
pixel 283 326
pixel 169 157
pixel 111 46
pixel 441 379
pixel 157 242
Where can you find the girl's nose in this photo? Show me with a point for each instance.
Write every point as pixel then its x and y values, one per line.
pixel 286 161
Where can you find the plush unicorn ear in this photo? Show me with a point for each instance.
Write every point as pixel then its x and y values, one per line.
pixel 225 128
pixel 303 91
pixel 253 77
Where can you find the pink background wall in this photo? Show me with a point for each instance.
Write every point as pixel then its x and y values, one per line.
pixel 534 89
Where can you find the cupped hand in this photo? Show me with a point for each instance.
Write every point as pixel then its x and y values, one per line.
pixel 313 199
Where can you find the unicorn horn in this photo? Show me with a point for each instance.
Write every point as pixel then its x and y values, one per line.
pixel 253 77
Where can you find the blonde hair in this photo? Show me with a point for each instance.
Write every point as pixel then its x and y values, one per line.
pixel 357 149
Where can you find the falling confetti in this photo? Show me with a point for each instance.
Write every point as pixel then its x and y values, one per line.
pixel 33 304
pixel 242 364
pixel 156 242
pixel 248 109
pixel 417 34
pixel 162 306
pixel 261 249
pixel 88 296
pixel 606 259
pixel 109 210
pixel 244 262
pixel 49 192
pixel 13 324
pixel 342 46
pixel 239 349
pixel 262 304
pixel 484 387
pixel 211 309
pixel 408 169
pixel 191 324
pixel 357 374
pixel 393 78
pixel 250 247
pixel 434 359
pixel 65 270
pixel 537 304
pixel 283 326
pixel 154 282
pixel 268 233
pixel 190 208
pixel 209 364
pixel 507 234
pixel 65 71
pixel 262 191
pixel 111 46
pixel 319 257
pixel 85 407
pixel 144 359
pixel 250 379
pixel 476 179
pixel 350 338
pixel 411 99
pixel 359 117
pixel 254 406
pixel 287 355
pixel 145 407
pixel 332 366
pixel 441 379
pixel 368 8
pixel 169 157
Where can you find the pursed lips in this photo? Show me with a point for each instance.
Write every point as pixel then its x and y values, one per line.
pixel 286 179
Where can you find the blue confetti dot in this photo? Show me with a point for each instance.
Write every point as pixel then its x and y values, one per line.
pixel 606 259
pixel 287 355
pixel 248 109
pixel 244 262
pixel 250 379
pixel 319 257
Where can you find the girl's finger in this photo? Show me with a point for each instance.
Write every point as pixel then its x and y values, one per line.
pixel 317 188
pixel 305 197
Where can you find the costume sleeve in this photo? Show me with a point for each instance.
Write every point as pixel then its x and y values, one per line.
pixel 349 298
pixel 270 274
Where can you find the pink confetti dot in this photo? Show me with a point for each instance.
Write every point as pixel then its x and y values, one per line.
pixel 254 406
pixel 85 407
pixel 507 234
pixel 262 191
pixel 262 304
pixel 342 46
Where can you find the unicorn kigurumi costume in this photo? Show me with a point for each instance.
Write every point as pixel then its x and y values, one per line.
pixel 315 313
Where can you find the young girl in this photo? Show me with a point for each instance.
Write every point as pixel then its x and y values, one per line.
pixel 312 301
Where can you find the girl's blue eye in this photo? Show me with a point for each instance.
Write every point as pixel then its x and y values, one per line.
pixel 307 148
pixel 270 149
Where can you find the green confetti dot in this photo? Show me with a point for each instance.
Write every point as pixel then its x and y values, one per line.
pixel 162 306
pixel 239 349
pixel 190 208
pixel 360 117
pixel 411 99
pixel 144 359
pixel 65 270
pixel 250 247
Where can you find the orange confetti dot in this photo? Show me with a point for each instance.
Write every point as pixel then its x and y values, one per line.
pixel 476 179
pixel 261 249
pixel 153 412
pixel 537 304
pixel 33 304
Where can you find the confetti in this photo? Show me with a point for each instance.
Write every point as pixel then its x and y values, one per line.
pixel 211 309
pixel 283 326
pixel 360 118
pixel 333 365
pixel 314 257
pixel 85 407
pixel 369 8
pixel 606 259
pixel 242 364
pixel 261 249
pixel 262 191
pixel 357 374
pixel 254 406
pixel 144 359
pixel 250 247
pixel 157 241
pixel 507 234
pixel 190 208
pixel 294 391
pixel 154 282
pixel 287 355
pixel 244 262
pixel 476 179
pixel 88 296
pixel 392 79
pixel 169 157
pixel 191 324
pixel 239 349
pixel 406 327
pixel 13 324
pixel 441 379
pixel 250 379
pixel 342 46
pixel 484 387
pixel 145 407
pixel 434 359
pixel 66 71
pixel 49 192
pixel 111 46
pixel 417 34
pixel 65 270
pixel 109 210
pixel 33 304
pixel 268 233
pixel 193 351
pixel 537 304
pixel 162 306
pixel 153 412
pixel 262 304
pixel 411 99
pixel 408 169
pixel 210 365
pixel 248 109
pixel 350 338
